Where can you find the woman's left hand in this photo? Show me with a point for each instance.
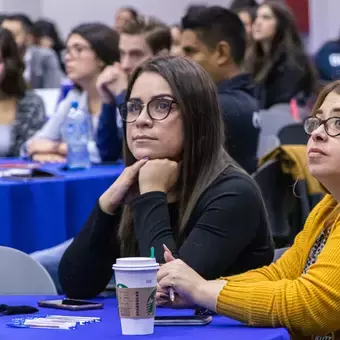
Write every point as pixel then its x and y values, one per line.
pixel 191 290
pixel 62 149
pixel 48 158
pixel 158 175
pixel 162 296
pixel 185 282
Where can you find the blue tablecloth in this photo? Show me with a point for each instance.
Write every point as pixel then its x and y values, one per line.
pixel 109 328
pixel 41 213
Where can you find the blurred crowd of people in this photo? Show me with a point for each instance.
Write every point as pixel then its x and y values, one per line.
pixel 256 62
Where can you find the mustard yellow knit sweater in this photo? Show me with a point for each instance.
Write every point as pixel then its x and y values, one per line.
pixel 281 295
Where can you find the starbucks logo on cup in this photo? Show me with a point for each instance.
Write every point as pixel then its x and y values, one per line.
pixel 151 303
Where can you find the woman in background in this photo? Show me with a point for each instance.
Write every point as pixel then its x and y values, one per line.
pixel 237 4
pixel 89 49
pixel 277 59
pixel 247 16
pixel 47 35
pixel 301 290
pixel 123 16
pixel 179 187
pixel 22 112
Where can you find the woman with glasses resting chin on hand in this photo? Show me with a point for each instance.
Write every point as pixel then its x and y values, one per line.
pixel 180 187
pixel 301 291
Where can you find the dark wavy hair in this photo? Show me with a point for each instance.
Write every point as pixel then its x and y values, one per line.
pixel 13 82
pixel 102 38
pixel 287 41
pixel 203 157
pixel 46 28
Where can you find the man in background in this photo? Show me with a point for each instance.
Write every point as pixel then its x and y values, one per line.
pixel 140 40
pixel 215 38
pixel 42 66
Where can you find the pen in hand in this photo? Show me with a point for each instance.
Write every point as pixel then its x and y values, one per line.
pixel 169 257
pixel 172 294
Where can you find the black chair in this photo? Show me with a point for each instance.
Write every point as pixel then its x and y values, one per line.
pixel 293 134
pixel 276 189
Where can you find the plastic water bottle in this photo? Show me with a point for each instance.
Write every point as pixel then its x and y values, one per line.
pixel 77 134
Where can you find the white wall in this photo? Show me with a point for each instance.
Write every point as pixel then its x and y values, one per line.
pixel 68 13
pixel 324 22
pixel 33 8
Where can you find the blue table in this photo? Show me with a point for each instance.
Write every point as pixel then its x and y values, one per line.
pixel 41 213
pixel 109 328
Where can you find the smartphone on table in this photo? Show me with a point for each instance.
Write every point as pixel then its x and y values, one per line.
pixel 70 304
pixel 187 320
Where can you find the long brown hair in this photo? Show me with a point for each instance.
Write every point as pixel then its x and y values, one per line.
pixel 334 86
pixel 286 42
pixel 203 157
pixel 13 83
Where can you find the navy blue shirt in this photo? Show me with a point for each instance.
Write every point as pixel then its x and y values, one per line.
pixel 327 61
pixel 109 134
pixel 239 110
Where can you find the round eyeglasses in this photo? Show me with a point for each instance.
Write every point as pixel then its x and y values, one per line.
pixel 332 125
pixel 157 109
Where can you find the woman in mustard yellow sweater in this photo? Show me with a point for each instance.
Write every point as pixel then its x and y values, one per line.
pixel 300 291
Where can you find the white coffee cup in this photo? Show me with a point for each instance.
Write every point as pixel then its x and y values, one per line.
pixel 136 282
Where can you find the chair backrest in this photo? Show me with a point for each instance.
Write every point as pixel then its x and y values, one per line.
pixel 22 275
pixel 293 134
pixel 274 186
pixel 278 253
pixel 271 121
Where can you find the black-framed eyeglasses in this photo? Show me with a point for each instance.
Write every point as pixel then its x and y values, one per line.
pixel 332 125
pixel 157 109
pixel 75 51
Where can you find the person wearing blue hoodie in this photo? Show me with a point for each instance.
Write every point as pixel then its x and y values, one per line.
pixel 327 61
pixel 215 38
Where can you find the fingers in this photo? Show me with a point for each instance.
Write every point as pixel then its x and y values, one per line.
pixel 160 295
pixel 165 278
pixel 168 257
pixel 108 75
pixel 48 158
pixel 162 292
pixel 170 273
pixel 133 170
pixel 117 66
pixel 42 146
pixel 166 248
pixel 162 300
pixel 62 149
pixel 163 303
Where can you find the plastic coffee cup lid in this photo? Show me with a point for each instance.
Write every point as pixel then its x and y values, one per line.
pixel 135 263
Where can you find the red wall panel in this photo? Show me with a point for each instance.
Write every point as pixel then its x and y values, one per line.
pixel 300 9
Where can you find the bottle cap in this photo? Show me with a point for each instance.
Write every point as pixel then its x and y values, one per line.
pixel 74 105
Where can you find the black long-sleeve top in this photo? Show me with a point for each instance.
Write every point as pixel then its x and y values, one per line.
pixel 226 234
